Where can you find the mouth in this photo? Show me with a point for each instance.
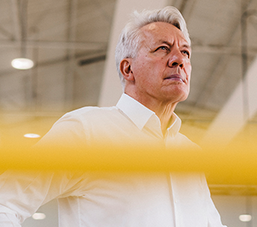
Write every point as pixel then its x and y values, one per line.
pixel 176 78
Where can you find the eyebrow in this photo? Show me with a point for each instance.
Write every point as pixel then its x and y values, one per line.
pixel 169 44
pixel 187 46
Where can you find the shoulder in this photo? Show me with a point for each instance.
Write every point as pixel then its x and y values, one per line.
pixel 88 112
pixel 76 125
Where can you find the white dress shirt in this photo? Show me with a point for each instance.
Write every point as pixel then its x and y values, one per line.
pixel 111 199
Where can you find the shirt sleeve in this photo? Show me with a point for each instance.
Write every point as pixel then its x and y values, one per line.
pixel 22 193
pixel 214 219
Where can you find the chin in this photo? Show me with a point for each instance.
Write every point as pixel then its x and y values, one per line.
pixel 181 95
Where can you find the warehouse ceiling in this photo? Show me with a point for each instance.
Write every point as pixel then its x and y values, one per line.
pixel 68 41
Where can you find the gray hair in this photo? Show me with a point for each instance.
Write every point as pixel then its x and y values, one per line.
pixel 128 44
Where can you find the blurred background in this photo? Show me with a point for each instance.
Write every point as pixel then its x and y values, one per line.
pixel 71 44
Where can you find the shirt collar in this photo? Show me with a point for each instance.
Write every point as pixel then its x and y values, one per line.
pixel 137 112
pixel 175 125
pixel 140 115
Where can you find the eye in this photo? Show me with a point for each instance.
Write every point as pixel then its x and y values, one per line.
pixel 165 48
pixel 186 52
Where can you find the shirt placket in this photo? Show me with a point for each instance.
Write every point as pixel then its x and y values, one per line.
pixel 168 141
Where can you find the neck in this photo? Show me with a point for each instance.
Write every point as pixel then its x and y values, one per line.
pixel 165 116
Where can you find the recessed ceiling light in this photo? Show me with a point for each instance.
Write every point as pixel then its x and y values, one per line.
pixel 39 216
pixel 31 135
pixel 22 63
pixel 245 217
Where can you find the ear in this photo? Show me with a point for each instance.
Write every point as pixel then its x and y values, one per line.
pixel 126 70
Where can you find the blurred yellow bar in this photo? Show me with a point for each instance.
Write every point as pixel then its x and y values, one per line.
pixel 232 165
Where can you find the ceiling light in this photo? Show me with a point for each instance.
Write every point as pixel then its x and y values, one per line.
pixel 31 135
pixel 245 217
pixel 39 216
pixel 22 63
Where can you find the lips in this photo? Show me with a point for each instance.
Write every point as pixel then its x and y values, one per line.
pixel 175 77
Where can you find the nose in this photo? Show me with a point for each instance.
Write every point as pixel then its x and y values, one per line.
pixel 176 59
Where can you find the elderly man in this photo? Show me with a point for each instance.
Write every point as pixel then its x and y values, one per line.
pixel 153 60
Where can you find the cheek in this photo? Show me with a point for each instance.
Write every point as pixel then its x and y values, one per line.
pixel 145 70
pixel 188 69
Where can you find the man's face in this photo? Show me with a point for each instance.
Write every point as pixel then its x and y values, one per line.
pixel 162 66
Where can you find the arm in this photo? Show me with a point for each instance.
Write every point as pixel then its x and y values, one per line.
pixel 22 193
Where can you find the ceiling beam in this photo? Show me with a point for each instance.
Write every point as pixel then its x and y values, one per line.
pixel 16 20
pixel 70 52
pixel 96 46
pixel 55 45
pixel 220 49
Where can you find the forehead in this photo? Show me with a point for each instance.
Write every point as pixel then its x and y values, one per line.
pixel 159 31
